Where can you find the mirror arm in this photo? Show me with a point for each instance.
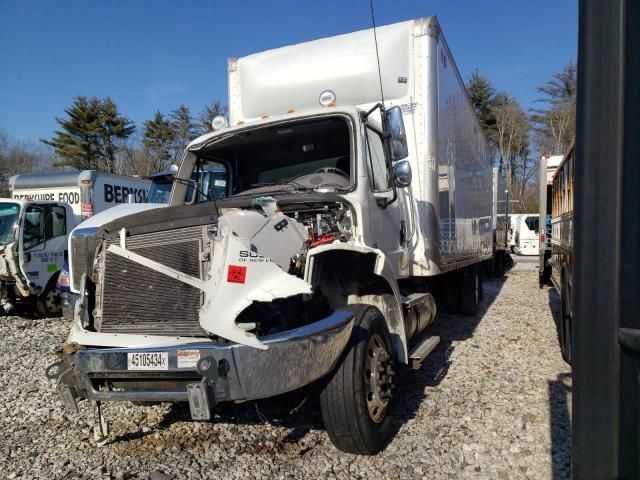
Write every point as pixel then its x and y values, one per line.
pixel 373 109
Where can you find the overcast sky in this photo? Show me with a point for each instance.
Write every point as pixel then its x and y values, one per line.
pixel 150 55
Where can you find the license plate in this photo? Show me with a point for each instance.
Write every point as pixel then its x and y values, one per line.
pixel 148 361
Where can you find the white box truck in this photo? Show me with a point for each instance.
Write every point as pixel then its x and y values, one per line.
pixel 344 220
pixel 546 171
pixel 34 227
pixel 526 228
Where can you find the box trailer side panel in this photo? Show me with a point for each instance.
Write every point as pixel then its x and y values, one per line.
pixel 464 168
pixel 111 190
pixel 87 191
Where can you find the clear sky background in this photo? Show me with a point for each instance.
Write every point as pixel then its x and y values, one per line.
pixel 149 55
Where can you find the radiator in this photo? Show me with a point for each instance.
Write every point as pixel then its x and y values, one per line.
pixel 137 300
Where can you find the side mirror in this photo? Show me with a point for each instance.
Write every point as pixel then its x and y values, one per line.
pixel 402 173
pixel 398 136
pixel 193 191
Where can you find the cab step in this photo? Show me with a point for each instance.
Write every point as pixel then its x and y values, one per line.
pixel 422 351
pixel 414 299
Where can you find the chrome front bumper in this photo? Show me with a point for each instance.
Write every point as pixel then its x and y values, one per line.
pixel 224 372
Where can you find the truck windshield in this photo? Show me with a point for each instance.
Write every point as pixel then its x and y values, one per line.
pixel 160 189
pixel 210 178
pixel 308 154
pixel 8 217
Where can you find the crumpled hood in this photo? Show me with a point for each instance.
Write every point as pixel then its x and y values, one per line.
pixel 119 211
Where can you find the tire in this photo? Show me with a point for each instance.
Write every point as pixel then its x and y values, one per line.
pixel 565 321
pixel 469 291
pixel 498 263
pixel 49 303
pixel 355 409
pixel 449 293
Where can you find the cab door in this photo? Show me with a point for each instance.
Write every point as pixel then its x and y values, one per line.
pixel 43 243
pixel 387 225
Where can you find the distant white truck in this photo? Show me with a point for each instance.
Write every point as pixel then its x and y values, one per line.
pixel 546 171
pixel 526 230
pixel 35 223
pixel 514 223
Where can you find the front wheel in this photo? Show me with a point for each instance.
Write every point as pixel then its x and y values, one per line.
pixel 356 399
pixel 49 303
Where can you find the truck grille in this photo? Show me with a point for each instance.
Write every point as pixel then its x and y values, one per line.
pixel 138 300
pixel 83 247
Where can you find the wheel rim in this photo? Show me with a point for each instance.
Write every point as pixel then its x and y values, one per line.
pixel 53 300
pixel 378 373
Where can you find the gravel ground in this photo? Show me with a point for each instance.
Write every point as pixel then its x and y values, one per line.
pixel 491 402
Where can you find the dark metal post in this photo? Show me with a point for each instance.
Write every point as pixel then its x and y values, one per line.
pixel 606 366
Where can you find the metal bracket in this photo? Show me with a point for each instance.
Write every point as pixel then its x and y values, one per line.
pixel 101 430
pixel 67 397
pixel 199 405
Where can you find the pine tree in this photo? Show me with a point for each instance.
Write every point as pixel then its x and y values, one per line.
pixel 562 86
pixel 482 95
pixel 555 124
pixel 158 141
pixel 90 134
pixel 209 112
pixel 184 130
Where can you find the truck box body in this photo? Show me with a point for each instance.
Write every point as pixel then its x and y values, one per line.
pixel 546 171
pixel 37 219
pixel 500 217
pixel 449 155
pixel 87 191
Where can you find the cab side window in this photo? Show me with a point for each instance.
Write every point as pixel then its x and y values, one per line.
pixel 33 227
pixel 55 224
pixel 533 223
pixel 42 223
pixel 376 162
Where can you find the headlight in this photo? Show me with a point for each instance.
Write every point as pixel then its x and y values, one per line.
pixel 83 249
pixel 63 278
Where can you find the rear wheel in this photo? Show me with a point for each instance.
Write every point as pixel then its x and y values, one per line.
pixel 499 263
pixel 356 399
pixel 470 287
pixel 565 320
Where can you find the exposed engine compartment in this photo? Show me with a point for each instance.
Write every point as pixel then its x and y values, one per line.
pixel 324 225
pixel 245 271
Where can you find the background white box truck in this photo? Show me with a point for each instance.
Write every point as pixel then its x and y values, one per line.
pixel 35 223
pixel 344 219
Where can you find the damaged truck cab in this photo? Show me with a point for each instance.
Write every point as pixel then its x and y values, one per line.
pixel 321 259
pixel 250 295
